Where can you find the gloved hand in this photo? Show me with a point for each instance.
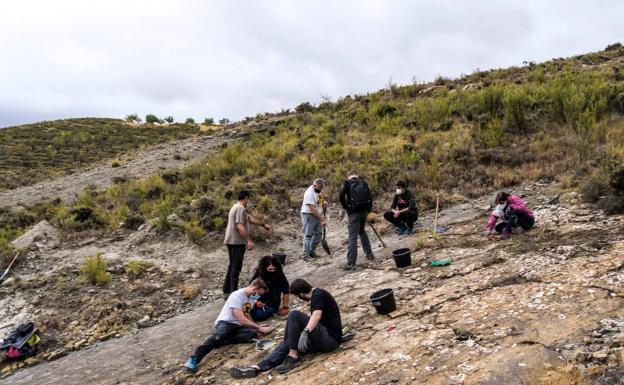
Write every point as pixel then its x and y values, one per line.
pixel 304 341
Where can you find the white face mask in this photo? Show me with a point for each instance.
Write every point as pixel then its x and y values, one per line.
pixel 399 191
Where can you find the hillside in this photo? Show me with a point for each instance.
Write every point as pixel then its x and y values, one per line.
pixel 553 132
pixel 33 152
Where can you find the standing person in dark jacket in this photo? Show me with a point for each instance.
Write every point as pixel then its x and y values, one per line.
pixel 271 271
pixel 356 199
pixel 320 332
pixel 403 212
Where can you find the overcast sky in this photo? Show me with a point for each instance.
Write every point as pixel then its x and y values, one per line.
pixel 200 58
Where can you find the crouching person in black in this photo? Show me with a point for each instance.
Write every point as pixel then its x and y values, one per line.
pixel 403 212
pixel 321 332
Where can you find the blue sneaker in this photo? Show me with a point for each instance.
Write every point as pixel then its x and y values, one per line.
pixel 191 364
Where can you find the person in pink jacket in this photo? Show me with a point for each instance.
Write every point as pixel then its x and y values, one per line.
pixel 513 212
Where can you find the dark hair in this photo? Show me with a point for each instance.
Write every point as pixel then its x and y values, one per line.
pixel 258 283
pixel 299 286
pixel 501 197
pixel 264 262
pixel 401 183
pixel 244 194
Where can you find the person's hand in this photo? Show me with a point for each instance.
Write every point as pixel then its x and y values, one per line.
pixel 250 245
pixel 283 311
pixel 259 304
pixel 396 213
pixel 267 227
pixel 264 329
pixel 302 346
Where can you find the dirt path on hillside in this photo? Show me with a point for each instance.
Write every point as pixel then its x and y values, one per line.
pixel 138 164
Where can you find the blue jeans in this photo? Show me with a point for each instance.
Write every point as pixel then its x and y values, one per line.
pixel 259 314
pixel 312 232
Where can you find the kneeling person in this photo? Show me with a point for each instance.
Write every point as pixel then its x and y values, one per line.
pixel 233 324
pixel 321 332
pixel 403 212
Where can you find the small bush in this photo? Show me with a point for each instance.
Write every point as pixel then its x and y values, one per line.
pixel 616 180
pixel 151 119
pixel 194 231
pixel 136 268
pixel 169 119
pixel 93 270
pixel 595 186
pixel 190 292
pixel 115 163
pixel 133 118
pixel 189 121
pixel 224 121
pixel 209 121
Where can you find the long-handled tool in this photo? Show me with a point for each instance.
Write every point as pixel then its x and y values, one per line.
pixel 377 234
pixel 324 244
pixel 8 268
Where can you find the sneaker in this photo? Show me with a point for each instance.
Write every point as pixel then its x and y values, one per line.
pixel 408 230
pixel 313 254
pixel 348 267
pixel 399 230
pixel 370 257
pixel 191 364
pixel 247 372
pixel 289 364
pixel 504 235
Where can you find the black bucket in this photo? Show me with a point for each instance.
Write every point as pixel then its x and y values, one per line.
pixel 402 257
pixel 280 257
pixel 383 300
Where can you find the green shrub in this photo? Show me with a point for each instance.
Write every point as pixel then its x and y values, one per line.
pixel 209 121
pixel 133 118
pixel 169 119
pixel 151 119
pixel 93 270
pixel 517 104
pixel 189 121
pixel 194 231
pixel 224 121
pixel 594 186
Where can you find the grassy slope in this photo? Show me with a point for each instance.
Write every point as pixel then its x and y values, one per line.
pixel 560 120
pixel 33 152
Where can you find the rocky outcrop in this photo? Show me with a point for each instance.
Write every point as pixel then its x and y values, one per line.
pixel 43 236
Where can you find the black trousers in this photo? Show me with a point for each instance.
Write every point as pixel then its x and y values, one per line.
pixel 320 340
pixel 514 219
pixel 225 333
pixel 404 219
pixel 236 254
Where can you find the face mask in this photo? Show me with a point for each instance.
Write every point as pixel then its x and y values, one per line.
pixel 254 297
pixel 317 190
pixel 399 191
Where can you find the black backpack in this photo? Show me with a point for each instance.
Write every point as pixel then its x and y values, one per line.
pixel 360 198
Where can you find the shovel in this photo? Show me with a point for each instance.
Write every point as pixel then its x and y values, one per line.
pixel 377 234
pixel 264 344
pixel 8 268
pixel 324 244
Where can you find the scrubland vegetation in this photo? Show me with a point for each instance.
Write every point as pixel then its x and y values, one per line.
pixel 37 151
pixel 562 121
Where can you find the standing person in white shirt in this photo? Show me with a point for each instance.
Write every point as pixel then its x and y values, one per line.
pixel 312 218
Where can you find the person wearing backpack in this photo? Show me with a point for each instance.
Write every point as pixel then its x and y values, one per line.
pixel 403 212
pixel 356 199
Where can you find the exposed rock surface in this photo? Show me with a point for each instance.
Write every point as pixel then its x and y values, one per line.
pixel 546 302
pixel 42 236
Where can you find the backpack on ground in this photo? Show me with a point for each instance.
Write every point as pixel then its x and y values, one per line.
pixel 21 342
pixel 360 198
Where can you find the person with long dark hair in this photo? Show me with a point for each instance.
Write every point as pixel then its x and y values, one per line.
pixel 275 300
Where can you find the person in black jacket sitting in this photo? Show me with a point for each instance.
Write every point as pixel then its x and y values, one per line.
pixel 403 212
pixel 320 332
pixel 271 271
